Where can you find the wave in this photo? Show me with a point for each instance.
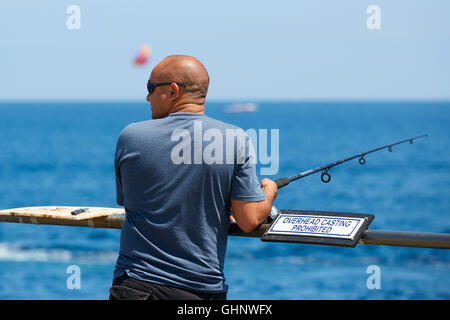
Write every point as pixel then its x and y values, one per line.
pixel 241 250
pixel 18 253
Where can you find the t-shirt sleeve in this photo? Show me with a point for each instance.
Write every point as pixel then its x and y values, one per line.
pixel 117 160
pixel 119 191
pixel 245 185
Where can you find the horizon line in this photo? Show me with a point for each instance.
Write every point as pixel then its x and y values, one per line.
pixel 234 100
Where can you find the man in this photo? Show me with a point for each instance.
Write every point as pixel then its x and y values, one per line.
pixel 177 202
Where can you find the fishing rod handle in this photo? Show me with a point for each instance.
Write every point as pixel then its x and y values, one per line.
pixel 282 182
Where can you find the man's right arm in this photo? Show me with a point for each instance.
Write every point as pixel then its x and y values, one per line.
pixel 119 190
pixel 118 176
pixel 250 214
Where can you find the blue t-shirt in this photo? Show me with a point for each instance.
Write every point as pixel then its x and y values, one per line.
pixel 175 177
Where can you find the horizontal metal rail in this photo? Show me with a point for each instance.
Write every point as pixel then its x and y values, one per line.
pixel 406 239
pixel 374 237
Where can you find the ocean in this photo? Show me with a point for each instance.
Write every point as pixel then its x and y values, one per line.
pixel 61 153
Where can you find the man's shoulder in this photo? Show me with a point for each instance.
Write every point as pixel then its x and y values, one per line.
pixel 215 123
pixel 135 126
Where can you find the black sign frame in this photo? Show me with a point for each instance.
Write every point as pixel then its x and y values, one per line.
pixel 295 238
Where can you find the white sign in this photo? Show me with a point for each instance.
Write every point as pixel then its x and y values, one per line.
pixel 316 226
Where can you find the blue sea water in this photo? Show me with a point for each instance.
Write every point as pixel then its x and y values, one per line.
pixel 62 154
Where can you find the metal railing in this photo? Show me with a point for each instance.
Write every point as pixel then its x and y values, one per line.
pixel 373 237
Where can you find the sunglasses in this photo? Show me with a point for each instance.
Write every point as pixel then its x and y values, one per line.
pixel 151 86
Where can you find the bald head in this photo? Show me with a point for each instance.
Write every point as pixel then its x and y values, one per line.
pixel 183 69
pixel 184 86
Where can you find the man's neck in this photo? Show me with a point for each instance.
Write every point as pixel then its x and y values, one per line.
pixel 188 107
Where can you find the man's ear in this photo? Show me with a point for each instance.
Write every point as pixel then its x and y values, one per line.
pixel 174 91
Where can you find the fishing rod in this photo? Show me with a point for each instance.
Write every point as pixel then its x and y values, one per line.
pixel 326 177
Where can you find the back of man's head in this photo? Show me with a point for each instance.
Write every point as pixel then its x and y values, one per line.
pixel 185 69
pixel 188 90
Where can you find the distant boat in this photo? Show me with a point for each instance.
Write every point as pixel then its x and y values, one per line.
pixel 241 107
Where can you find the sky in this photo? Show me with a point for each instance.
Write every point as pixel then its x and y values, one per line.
pixel 253 50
